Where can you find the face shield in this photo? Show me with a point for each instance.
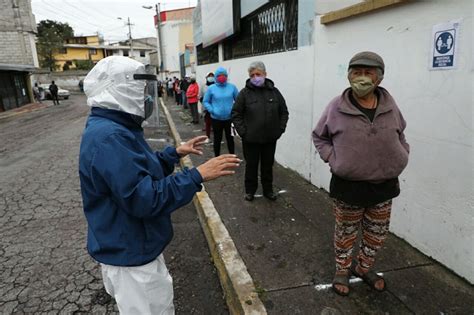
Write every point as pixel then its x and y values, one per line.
pixel 150 92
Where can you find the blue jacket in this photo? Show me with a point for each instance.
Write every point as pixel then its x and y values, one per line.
pixel 128 191
pixel 220 98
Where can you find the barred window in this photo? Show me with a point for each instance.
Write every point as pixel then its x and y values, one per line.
pixel 207 55
pixel 270 29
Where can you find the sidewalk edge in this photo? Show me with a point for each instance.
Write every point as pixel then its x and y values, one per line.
pixel 239 289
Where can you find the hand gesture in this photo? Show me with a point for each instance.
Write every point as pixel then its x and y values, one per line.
pixel 219 166
pixel 191 146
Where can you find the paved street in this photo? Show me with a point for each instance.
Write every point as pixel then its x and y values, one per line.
pixel 43 261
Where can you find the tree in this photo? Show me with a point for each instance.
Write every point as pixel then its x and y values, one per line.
pixel 51 36
pixel 83 64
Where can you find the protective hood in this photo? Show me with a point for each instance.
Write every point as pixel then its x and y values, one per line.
pixel 219 71
pixel 111 85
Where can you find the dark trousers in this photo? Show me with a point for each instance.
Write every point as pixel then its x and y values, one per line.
pixel 55 98
pixel 219 126
pixel 184 100
pixel 207 124
pixel 194 112
pixel 255 153
pixel 178 98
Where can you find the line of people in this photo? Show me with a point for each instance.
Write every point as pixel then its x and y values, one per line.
pixel 129 191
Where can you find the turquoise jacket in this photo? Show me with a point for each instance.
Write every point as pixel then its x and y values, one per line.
pixel 220 98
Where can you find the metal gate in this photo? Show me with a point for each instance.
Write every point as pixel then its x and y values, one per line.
pixel 13 90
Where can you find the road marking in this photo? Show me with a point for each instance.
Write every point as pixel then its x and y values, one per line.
pixel 157 140
pixel 321 287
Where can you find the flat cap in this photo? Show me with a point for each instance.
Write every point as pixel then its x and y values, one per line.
pixel 368 59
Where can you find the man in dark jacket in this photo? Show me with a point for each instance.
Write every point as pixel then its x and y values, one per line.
pixel 183 85
pixel 53 88
pixel 129 191
pixel 260 116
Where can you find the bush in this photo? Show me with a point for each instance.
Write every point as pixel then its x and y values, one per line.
pixel 84 64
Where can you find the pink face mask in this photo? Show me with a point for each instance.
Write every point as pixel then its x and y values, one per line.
pixel 222 79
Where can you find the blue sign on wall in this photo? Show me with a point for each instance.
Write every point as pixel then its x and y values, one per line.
pixel 444 45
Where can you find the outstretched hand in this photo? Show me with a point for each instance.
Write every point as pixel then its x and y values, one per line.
pixel 219 166
pixel 193 146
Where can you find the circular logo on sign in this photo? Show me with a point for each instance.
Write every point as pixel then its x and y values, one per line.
pixel 444 42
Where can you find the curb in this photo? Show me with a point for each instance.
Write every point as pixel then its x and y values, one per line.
pixel 239 289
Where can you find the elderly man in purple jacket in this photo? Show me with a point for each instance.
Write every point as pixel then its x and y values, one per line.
pixel 360 134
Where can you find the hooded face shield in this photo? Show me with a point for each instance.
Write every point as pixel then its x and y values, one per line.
pixel 150 92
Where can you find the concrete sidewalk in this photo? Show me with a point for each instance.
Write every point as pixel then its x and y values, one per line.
pixel 287 248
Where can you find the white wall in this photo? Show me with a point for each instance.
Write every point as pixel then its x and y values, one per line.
pixel 435 210
pixel 292 73
pixel 170 40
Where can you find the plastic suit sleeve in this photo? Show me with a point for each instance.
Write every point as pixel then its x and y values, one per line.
pixel 168 159
pixel 321 137
pixel 208 101
pixel 125 170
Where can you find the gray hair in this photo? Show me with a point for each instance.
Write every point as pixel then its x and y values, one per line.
pixel 257 65
pixel 378 70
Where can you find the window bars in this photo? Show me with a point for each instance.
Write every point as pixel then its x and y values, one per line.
pixel 270 29
pixel 207 55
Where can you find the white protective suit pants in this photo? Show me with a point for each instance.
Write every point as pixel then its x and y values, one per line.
pixel 146 289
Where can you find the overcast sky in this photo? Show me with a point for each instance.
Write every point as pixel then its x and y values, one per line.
pixel 88 17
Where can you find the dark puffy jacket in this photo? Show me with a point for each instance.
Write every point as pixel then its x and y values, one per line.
pixel 260 113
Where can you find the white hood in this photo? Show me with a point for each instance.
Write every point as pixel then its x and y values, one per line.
pixel 110 85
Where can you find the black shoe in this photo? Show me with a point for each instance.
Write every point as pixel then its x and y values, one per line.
pixel 271 196
pixel 249 197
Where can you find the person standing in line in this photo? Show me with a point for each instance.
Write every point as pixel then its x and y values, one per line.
pixel 192 95
pixel 260 116
pixel 361 135
pixel 53 89
pixel 37 93
pixel 177 92
pixel 207 117
pixel 184 84
pixel 170 87
pixel 129 191
pixel 218 101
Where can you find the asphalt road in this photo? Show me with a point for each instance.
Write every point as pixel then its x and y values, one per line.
pixel 43 260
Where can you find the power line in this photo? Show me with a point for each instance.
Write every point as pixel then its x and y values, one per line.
pixel 88 13
pixel 69 15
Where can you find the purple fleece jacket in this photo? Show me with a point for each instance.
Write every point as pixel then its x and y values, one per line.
pixel 358 149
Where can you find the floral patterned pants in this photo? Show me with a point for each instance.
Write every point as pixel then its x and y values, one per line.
pixel 374 221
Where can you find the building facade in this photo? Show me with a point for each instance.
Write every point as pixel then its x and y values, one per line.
pixel 17 53
pixel 177 37
pixel 434 211
pixel 92 48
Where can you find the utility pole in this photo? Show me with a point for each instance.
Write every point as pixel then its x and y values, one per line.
pixel 161 63
pixel 130 37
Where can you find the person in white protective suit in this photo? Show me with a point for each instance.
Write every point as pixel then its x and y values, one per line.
pixel 129 191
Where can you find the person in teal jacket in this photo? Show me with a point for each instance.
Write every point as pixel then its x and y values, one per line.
pixel 129 191
pixel 218 101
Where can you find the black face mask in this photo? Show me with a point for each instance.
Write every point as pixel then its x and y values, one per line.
pixel 148 106
pixel 149 92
